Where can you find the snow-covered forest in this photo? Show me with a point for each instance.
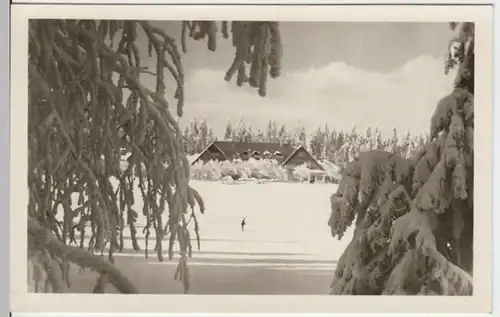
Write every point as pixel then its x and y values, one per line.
pixel 324 143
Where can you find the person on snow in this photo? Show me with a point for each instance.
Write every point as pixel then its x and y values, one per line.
pixel 243 223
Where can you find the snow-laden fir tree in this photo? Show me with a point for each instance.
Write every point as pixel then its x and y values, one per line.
pixel 211 136
pixel 249 135
pixel 202 137
pixel 89 110
pixel 197 136
pixel 260 136
pixel 369 136
pixel 272 132
pixel 316 143
pixel 239 131
pixel 229 132
pixel 300 136
pixel 414 217
pixel 188 144
pixel 395 141
pixel 282 134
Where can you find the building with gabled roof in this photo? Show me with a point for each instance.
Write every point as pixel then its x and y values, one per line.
pixel 286 155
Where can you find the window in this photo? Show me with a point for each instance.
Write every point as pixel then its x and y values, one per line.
pixel 244 155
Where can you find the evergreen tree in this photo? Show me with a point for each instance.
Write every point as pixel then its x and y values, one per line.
pixel 229 132
pixel 99 110
pixel 405 148
pixel 370 138
pixel 394 141
pixel 260 137
pixel 210 137
pixel 340 139
pixel 379 143
pixel 249 137
pixel 332 146
pixel 193 135
pixel 413 217
pixel 369 134
pixel 302 136
pixel 202 141
pixel 316 144
pixel 282 135
pixel 239 131
pixel 326 134
pixel 272 132
pixel 188 141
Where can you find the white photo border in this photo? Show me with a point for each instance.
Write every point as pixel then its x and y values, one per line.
pixel 21 301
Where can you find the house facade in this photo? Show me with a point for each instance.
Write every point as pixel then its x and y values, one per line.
pixel 285 154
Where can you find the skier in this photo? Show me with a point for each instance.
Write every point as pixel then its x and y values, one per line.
pixel 243 223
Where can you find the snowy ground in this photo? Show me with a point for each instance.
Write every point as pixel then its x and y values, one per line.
pixel 286 247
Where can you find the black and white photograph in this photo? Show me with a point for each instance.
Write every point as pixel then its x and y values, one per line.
pixel 251 157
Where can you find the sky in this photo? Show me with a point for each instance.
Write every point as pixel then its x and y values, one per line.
pixel 343 74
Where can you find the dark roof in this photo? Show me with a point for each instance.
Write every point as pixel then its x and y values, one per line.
pixel 230 148
pixel 320 167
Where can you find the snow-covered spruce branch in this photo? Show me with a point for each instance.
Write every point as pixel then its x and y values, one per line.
pixel 42 239
pixel 413 215
pixel 88 108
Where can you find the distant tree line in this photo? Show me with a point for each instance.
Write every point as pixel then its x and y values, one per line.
pixel 326 143
pixel 274 133
pixel 197 136
pixel 341 147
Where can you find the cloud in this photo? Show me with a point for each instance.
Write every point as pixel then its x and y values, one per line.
pixel 337 94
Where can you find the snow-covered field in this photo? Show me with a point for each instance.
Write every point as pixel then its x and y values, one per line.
pixel 281 217
pixel 286 246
